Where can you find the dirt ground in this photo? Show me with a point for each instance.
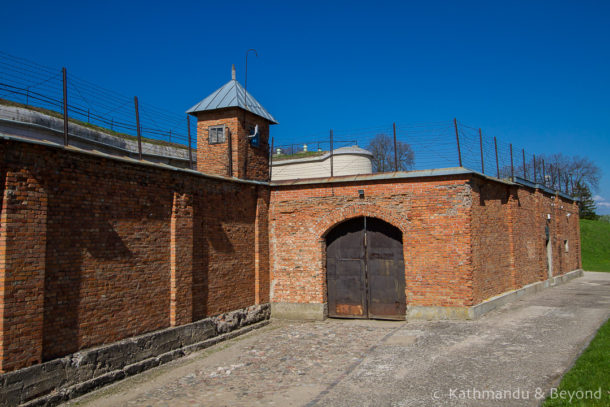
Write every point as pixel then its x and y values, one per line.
pixel 511 356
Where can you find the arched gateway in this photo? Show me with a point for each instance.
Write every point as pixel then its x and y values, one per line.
pixel 365 270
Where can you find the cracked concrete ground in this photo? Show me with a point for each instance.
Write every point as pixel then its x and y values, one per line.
pixel 520 350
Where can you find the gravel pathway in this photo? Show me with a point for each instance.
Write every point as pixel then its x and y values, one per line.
pixel 511 356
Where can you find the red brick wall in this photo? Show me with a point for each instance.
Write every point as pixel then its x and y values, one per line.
pixel 214 158
pixel 248 162
pixel 23 225
pixel 433 215
pixel 509 239
pixel 464 239
pixel 94 250
pixel 262 246
pixel 528 236
pixel 491 241
pixel 564 228
pixel 254 161
pixel 225 217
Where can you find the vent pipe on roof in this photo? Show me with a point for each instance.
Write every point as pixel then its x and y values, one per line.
pixel 233 72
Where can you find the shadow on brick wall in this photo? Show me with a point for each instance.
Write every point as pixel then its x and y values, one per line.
pixel 73 232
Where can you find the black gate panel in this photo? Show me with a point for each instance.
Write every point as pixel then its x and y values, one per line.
pixel 385 270
pixel 365 270
pixel 345 270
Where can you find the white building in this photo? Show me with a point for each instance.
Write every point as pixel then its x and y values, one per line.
pixel 346 161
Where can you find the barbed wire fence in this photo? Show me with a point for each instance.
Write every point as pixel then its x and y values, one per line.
pixel 138 128
pixel 444 144
pixel 145 130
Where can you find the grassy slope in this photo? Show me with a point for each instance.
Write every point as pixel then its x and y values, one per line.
pixel 595 238
pixel 301 154
pixel 52 113
pixel 590 372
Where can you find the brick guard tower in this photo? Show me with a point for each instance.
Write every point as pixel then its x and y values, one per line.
pixel 233 133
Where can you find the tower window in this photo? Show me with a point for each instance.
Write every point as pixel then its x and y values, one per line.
pixel 216 134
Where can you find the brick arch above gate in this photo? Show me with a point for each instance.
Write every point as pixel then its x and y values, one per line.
pixel 321 228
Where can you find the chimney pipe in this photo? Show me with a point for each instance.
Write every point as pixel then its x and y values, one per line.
pixel 233 72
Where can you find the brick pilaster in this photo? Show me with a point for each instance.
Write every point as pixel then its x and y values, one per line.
pixel 23 224
pixel 510 221
pixel 181 260
pixel 261 244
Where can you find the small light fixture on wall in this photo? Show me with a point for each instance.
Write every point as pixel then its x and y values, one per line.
pixel 361 193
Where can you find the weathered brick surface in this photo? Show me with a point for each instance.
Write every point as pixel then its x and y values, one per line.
pixel 248 162
pixel 491 240
pixel 181 259
pixel 23 238
pixel 509 239
pixel 565 229
pixel 464 239
pixel 433 215
pixel 261 231
pixel 214 158
pixel 95 250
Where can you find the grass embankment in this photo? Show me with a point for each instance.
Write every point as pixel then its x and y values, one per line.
pixel 106 130
pixel 595 240
pixel 588 382
pixel 301 154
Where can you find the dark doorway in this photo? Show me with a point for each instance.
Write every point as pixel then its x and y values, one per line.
pixel 365 270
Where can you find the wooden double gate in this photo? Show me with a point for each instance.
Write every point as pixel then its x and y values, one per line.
pixel 365 270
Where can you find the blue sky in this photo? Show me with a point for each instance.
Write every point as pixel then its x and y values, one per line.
pixel 534 73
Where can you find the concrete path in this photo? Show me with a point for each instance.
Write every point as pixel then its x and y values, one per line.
pixel 510 356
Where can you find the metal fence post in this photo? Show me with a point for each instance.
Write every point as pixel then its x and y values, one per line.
pixel 543 173
pixel 457 137
pixel 481 144
pixel 497 162
pixel 512 167
pixel 135 100
pixel 524 171
pixel 188 127
pixel 271 159
pixel 535 180
pixel 65 86
pixel 331 152
pixel 395 149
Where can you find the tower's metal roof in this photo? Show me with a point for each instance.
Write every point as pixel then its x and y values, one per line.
pixel 232 95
